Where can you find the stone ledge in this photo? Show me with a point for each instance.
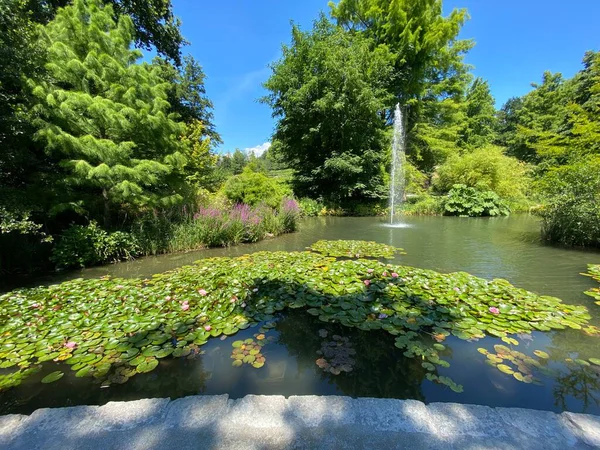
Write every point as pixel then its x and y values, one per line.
pixel 296 422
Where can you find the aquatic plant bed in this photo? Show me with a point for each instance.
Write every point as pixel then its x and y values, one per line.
pixel 113 330
pixel 296 422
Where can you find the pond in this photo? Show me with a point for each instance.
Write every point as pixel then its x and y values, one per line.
pixel 303 355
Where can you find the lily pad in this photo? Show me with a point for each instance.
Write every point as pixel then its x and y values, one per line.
pixel 52 377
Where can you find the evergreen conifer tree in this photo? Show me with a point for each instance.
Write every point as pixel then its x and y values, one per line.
pixel 104 116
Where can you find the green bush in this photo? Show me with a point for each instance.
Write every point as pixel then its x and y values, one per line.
pixel 252 188
pixel 423 205
pixel 288 215
pixel 310 207
pixel 571 216
pixel 485 169
pixel 469 202
pixel 154 231
pixel 83 246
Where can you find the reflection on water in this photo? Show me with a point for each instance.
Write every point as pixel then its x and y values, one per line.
pixel 367 363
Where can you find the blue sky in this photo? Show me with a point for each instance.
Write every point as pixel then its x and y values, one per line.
pixel 235 40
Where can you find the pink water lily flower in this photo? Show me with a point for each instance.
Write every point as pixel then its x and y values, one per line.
pixel 71 344
pixel 168 298
pixel 494 310
pixel 367 282
pixel 185 306
pixel 207 327
pixel 394 275
pixel 457 290
pixel 202 292
pixel 370 271
pixel 385 274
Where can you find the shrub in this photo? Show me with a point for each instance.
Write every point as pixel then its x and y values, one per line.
pixel 485 169
pixel 82 246
pixel 423 205
pixel 217 227
pixel 571 216
pixel 310 207
pixel 288 215
pixel 155 231
pixel 467 201
pixel 252 188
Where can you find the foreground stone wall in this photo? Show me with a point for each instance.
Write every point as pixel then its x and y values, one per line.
pixel 274 422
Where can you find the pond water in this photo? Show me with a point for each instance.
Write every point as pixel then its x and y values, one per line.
pixel 372 366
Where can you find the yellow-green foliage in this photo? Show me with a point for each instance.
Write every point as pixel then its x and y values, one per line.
pixel 252 188
pixel 486 169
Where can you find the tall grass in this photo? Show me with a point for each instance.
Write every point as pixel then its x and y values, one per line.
pixel 214 227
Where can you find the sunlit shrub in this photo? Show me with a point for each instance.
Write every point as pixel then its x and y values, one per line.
pixel 485 169
pixel 469 202
pixel 253 188
pixel 310 207
pixel 423 205
pixel 571 216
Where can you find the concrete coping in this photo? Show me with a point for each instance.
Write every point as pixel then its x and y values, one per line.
pixel 264 422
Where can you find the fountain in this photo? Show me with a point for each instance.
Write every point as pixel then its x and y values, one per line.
pixel 398 179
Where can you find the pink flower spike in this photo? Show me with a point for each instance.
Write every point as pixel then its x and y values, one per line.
pixel 385 274
pixel 367 282
pixel 394 275
pixel 71 344
pixel 494 310
pixel 370 271
pixel 207 327
pixel 202 292
pixel 185 306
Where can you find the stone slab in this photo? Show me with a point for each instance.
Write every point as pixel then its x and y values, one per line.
pixel 197 411
pixel 298 422
pixel 128 415
pixel 10 427
pixel 542 425
pixel 585 426
pixel 317 411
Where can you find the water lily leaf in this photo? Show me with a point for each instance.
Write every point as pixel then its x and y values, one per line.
pixel 237 363
pixel 505 369
pixel 541 354
pixel 147 366
pixel 595 361
pixel 52 377
pixel 510 340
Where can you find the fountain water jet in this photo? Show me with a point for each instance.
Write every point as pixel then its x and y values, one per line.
pixel 398 177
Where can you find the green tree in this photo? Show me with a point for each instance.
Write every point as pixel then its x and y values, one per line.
pixel 480 123
pixel 430 77
pixel 20 56
pixel 154 23
pixel 105 117
pixel 329 95
pixel 238 160
pixel 187 95
pixel 201 162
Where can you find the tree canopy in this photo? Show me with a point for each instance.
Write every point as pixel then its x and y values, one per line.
pixel 329 95
pixel 102 116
